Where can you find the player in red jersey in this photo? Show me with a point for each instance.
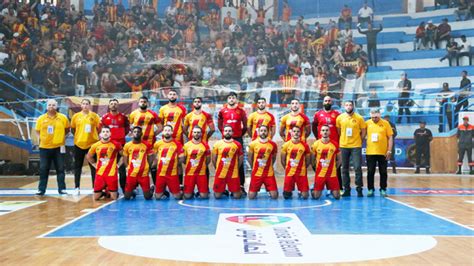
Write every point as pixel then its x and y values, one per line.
pixel 119 128
pixel 294 118
pixel 227 156
pixel 106 152
pixel 261 117
pixel 295 156
pixel 169 154
pixel 199 118
pixel 262 156
pixel 137 156
pixel 235 117
pixel 325 159
pixel 328 117
pixel 196 164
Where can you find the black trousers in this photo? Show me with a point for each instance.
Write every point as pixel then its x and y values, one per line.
pixel 241 167
pixel 372 53
pixel 423 151
pixel 462 149
pixel 448 116
pixel 47 158
pixel 79 155
pixel 372 161
pixel 403 108
pixel 463 54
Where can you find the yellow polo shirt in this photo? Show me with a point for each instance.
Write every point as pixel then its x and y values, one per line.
pixel 377 137
pixel 86 129
pixel 52 130
pixel 351 127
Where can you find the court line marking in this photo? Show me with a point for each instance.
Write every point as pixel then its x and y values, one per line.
pixel 76 219
pixel 469 201
pixel 326 203
pixel 432 214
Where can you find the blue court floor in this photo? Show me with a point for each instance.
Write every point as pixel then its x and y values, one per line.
pixel 363 216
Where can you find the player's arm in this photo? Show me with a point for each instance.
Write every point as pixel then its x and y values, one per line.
pixel 220 122
pixel 282 132
pixel 125 160
pixel 250 127
pixel 212 129
pixel 214 160
pixel 307 130
pixel 314 127
pixel 389 149
pixel 250 156
pixel 241 159
pixel 313 161
pixel 208 159
pixel 121 161
pixel 363 133
pixel 283 159
pixel 91 160
pixel 182 159
pixel 244 124
pixel 308 158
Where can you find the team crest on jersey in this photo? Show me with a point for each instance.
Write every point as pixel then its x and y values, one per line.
pixel 353 121
pixel 333 115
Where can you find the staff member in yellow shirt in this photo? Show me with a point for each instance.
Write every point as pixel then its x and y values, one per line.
pixel 351 129
pixel 52 128
pixel 84 125
pixel 379 150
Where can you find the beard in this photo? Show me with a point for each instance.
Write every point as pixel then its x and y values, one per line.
pixel 227 137
pixel 327 107
pixel 350 111
pixel 172 100
pixel 143 107
pixel 136 139
pixel 197 107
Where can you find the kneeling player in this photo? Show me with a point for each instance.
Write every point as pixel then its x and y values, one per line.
pixel 197 159
pixel 325 159
pixel 137 156
pixel 227 156
pixel 295 155
pixel 106 152
pixel 262 156
pixel 169 153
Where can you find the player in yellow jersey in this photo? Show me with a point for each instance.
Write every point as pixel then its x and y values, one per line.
pixel 325 159
pixel 262 155
pixel 294 118
pixel 85 126
pixel 137 156
pixel 227 157
pixel 259 118
pixel 147 119
pixel 196 164
pixel 295 156
pixel 106 165
pixel 169 154
pixel 199 118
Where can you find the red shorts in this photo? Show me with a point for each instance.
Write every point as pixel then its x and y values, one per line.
pixel 102 182
pixel 171 181
pixel 132 183
pixel 233 184
pixel 331 183
pixel 301 182
pixel 192 180
pixel 257 181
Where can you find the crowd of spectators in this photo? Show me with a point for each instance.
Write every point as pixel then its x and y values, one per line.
pixel 62 50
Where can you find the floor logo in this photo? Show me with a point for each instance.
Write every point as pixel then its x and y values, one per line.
pixel 259 220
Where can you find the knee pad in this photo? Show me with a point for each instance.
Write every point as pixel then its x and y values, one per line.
pixel 287 194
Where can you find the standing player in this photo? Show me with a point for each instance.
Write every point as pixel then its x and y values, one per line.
pixel 262 156
pixel 325 159
pixel 84 125
pixel 197 160
pixel 173 114
pixel 235 117
pixel 147 119
pixel 295 156
pixel 119 127
pixel 169 154
pixel 138 156
pixel 227 157
pixel 106 152
pixel 199 118
pixel 294 118
pixel 259 118
pixel 328 117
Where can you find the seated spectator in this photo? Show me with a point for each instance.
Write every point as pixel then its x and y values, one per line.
pixel 365 14
pixel 444 32
pixel 464 50
pixel 430 32
pixel 345 20
pixel 462 10
pixel 452 49
pixel 420 37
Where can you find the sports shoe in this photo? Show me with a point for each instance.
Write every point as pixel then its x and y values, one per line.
pixel 383 193
pixel 152 188
pixel 39 193
pixel 428 171
pixel 370 193
pixel 347 193
pixel 62 192
pixel 166 193
pixel 417 171
pixel 77 191
pixel 226 193
pixel 359 192
pixel 244 193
